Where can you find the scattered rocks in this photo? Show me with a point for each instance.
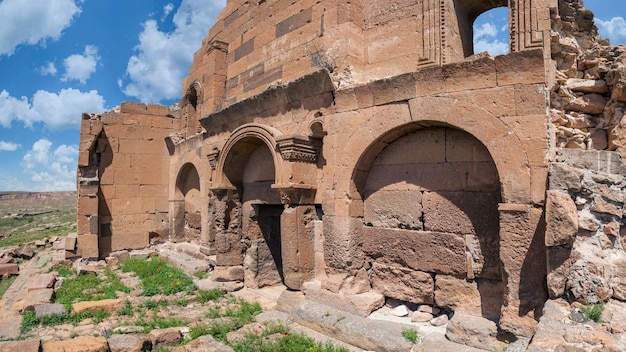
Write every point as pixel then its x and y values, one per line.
pixel 440 320
pixel 165 336
pixel 25 251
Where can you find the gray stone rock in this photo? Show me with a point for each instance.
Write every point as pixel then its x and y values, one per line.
pixel 440 320
pixel 50 309
pixel 165 336
pixel 129 343
pixel 473 331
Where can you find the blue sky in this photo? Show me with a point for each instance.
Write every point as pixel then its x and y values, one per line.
pixel 59 58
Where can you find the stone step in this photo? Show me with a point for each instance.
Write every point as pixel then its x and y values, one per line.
pixel 184 261
pixel 364 333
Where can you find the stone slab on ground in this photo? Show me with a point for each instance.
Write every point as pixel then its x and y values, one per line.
pixel 33 299
pixel 42 281
pixel 10 268
pixel 183 261
pixel 364 333
pixel 47 310
pixel 204 343
pixel 474 331
pixel 78 344
pixel 31 345
pixel 361 304
pixel 107 305
pixel 129 343
pixel 208 284
pixel 10 327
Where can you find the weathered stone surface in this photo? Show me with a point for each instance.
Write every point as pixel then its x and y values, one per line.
pixel 129 343
pixel 421 251
pixel 78 344
pixel 473 331
pixel 165 336
pixel 30 345
pixel 440 320
pixel 33 299
pixel 107 305
pixel 403 284
pixel 588 103
pixel 46 310
pixel 561 219
pixel 228 273
pixel 204 343
pixel 42 281
pixel 479 297
pixel 10 269
pixel 25 251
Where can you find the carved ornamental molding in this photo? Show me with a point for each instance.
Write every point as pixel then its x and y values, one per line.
pixel 212 156
pixel 296 149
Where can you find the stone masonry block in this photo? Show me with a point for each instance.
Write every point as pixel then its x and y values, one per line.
pixel 461 212
pixel 418 250
pixel 87 246
pixel 403 284
pixel 395 209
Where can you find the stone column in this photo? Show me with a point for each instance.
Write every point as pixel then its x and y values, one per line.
pixel 523 256
pixel 228 245
pixel 177 219
pixel 296 231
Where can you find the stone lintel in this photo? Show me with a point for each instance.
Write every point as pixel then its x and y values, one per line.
pixel 296 193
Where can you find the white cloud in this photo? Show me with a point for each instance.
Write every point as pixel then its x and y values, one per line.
pixel 8 146
pixel 167 9
pixel 494 47
pixel 58 111
pixel 485 30
pixel 51 170
pixel 487 37
pixel 80 67
pixel 48 70
pixel 614 29
pixel 162 59
pixel 27 22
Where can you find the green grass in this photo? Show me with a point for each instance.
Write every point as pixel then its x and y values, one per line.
pixel 593 311
pixel 240 316
pixel 288 342
pixel 89 287
pixel 204 296
pixel 158 323
pixel 126 309
pixel 64 270
pixel 5 284
pixel 411 335
pixel 30 321
pixel 158 277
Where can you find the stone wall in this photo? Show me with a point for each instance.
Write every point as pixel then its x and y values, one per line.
pixel 123 178
pixel 586 232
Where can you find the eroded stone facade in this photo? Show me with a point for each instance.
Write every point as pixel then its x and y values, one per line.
pixel 360 150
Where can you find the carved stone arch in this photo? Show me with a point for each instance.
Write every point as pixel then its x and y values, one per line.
pixel 249 132
pixel 186 204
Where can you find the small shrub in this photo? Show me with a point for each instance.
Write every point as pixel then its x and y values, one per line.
pixel 201 275
pixel 181 302
pixel 209 295
pixel 29 321
pixel 64 270
pixel 259 342
pixel 151 305
pixel 411 335
pixel 5 284
pixel 593 311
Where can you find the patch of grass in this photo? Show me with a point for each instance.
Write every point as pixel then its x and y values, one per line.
pixel 5 284
pixel 158 323
pixel 64 270
pixel 126 309
pixel 201 275
pixel 204 296
pixel 151 305
pixel 181 302
pixel 411 335
pixel 242 315
pixel 30 321
pixel 90 287
pixel 158 277
pixel 593 311
pixel 288 342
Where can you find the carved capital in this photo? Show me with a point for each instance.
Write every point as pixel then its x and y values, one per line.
pixel 296 193
pixel 217 45
pixel 297 149
pixel 212 156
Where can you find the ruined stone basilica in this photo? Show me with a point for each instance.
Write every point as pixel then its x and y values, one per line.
pixel 361 150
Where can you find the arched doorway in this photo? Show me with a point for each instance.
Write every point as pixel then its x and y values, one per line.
pixel 430 200
pixel 188 222
pixel 250 168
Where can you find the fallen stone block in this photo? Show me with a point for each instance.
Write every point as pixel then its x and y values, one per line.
pixel 204 343
pixel 25 251
pixel 31 345
pixel 48 310
pixel 42 281
pixel 129 343
pixel 108 305
pixel 33 299
pixel 165 336
pixel 11 269
pixel 208 284
pixel 78 344
pixel 473 331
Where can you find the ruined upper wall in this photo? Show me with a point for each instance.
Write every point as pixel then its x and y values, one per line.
pixel 255 44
